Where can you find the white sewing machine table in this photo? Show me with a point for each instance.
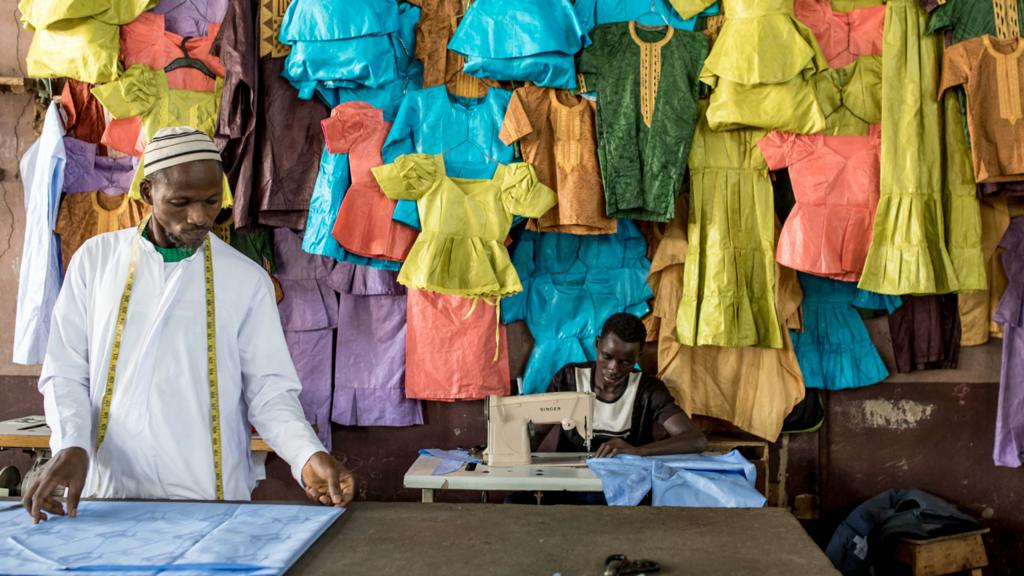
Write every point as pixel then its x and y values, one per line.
pixel 531 478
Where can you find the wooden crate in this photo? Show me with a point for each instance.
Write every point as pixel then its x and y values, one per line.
pixel 945 555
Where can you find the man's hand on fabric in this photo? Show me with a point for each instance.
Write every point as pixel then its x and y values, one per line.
pixel 327 481
pixel 68 468
pixel 616 446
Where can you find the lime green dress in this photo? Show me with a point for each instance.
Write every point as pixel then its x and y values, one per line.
pixel 761 70
pixel 729 277
pixel 460 250
pixel 921 176
pixel 77 39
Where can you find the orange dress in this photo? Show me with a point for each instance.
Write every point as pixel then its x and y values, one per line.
pixel 843 36
pixel 836 184
pixel 364 225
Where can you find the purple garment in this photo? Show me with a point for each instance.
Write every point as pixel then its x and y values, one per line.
pixel 1009 444
pixel 1001 189
pixel 369 381
pixel 309 312
pixel 191 17
pixel 84 171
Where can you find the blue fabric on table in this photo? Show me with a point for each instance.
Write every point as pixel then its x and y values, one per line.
pixel 451 460
pixel 686 480
pixel 154 537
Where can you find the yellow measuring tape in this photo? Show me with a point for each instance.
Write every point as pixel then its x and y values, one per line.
pixel 211 355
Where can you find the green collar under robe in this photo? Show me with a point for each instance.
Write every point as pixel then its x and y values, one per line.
pixel 647 88
pixel 170 255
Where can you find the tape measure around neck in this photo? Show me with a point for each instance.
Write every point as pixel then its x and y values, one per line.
pixel 211 354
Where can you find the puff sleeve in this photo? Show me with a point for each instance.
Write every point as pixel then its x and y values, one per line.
pixel 134 94
pixel 343 128
pixel 774 147
pixel 409 177
pixel 521 192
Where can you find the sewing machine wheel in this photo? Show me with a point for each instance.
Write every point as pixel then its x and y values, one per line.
pixel 10 479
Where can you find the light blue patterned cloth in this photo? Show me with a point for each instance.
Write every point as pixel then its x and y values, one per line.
pixel 450 460
pixel 686 480
pixel 156 537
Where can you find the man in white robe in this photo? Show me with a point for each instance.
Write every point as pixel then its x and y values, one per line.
pixel 157 442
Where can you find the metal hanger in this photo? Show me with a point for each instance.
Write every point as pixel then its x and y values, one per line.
pixel 653 12
pixel 187 61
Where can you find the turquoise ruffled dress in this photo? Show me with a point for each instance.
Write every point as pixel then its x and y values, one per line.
pixel 526 40
pixel 834 350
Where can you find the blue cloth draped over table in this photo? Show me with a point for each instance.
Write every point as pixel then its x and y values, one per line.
pixel 834 350
pixel 526 40
pixel 465 130
pixel 158 537
pixel 593 13
pixel 571 285
pixel 686 480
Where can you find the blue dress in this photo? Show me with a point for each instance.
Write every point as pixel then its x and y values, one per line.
pixel 389 96
pixel 345 43
pixel 593 13
pixel 465 130
pixel 835 351
pixel 332 182
pixel 571 285
pixel 526 40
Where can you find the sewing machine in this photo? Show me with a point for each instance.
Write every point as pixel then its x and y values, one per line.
pixel 510 422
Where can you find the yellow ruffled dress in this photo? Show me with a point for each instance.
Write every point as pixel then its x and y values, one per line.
pixel 761 70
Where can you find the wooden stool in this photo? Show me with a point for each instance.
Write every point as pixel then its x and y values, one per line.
pixel 944 555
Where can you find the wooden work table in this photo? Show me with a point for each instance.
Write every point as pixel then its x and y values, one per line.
pixel 481 539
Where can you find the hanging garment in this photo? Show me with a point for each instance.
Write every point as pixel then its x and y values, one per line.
pixel 309 314
pixel 752 91
pixel 527 41
pixel 842 36
pixel 363 225
pixel 644 133
pixel 86 171
pixel 145 92
pixel 85 119
pixel 349 44
pixel 147 41
pixel 559 139
pixel 753 388
pixel 863 544
pixel 978 309
pixel 992 71
pixel 162 387
pixel 966 19
pixel 258 245
pixel 88 214
pixel 571 285
pixel 369 372
pixel 644 403
pixel 908 247
pixel 39 279
pixel 455 348
pixel 851 97
pixel 729 283
pixel 191 18
pixel 438 21
pixel 387 97
pixel 925 333
pixel 270 141
pixel 332 183
pixel 593 13
pixel 1009 442
pixel 960 203
pixel 460 250
pixel 687 480
pixel 835 180
pixel 834 349
pixel 465 130
pixel 77 38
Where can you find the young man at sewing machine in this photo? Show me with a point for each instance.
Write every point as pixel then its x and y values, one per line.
pixel 628 402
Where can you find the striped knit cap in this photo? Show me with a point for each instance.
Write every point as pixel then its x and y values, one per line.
pixel 178 145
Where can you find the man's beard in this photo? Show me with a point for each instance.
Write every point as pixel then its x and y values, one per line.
pixel 190 240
